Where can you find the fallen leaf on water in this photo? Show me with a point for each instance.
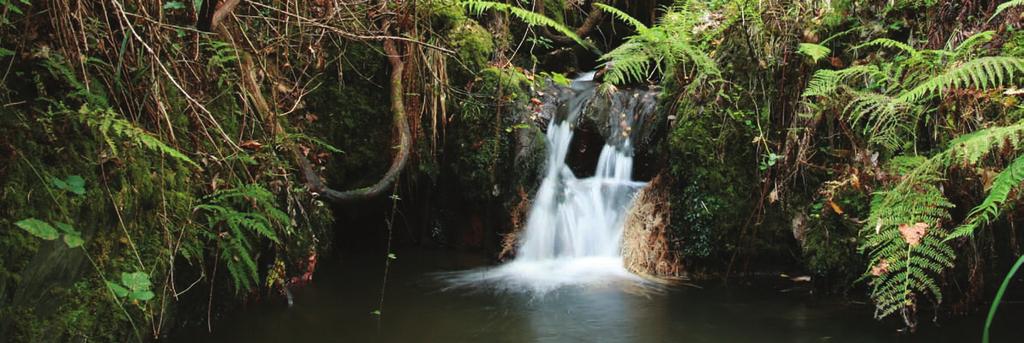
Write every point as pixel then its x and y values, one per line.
pixel 913 233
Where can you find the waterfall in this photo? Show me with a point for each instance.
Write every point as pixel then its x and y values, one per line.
pixel 573 234
pixel 578 218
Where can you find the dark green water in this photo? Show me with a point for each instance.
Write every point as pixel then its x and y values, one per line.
pixel 337 308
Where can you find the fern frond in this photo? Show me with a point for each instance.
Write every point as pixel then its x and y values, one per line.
pixel 825 82
pixel 815 51
pixel 624 17
pixel 981 73
pixel 107 124
pixel 1005 6
pixel 248 212
pixel 970 43
pixel 629 62
pixel 968 149
pixel 658 49
pixel 885 120
pixel 899 269
pixel 990 208
pixel 529 17
pixel 891 44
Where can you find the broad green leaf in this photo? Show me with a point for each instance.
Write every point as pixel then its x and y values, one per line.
pixel 76 184
pixel 174 5
pixel 143 295
pixel 375 312
pixel 73 240
pixel 5 52
pixel 136 281
pixel 392 257
pixel 38 228
pixel 198 4
pixel 118 290
pixel 60 184
pixel 66 228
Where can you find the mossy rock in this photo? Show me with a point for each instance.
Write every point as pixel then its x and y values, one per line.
pixel 710 159
pixel 473 46
pixel 444 14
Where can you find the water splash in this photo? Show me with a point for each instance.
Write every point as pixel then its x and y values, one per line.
pixel 574 230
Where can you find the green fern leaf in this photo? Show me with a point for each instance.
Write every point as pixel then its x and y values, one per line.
pixel 529 17
pixel 990 208
pixel 815 51
pixel 624 17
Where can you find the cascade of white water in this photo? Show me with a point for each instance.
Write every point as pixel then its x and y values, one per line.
pixel 575 218
pixel 574 230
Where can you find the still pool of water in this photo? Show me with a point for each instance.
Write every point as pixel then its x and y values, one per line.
pixel 338 308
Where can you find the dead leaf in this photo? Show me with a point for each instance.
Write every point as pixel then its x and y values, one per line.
pixel 251 144
pixel 835 207
pixel 881 268
pixel 913 233
pixel 836 62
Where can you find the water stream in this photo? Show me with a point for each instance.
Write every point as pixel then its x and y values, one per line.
pixel 573 234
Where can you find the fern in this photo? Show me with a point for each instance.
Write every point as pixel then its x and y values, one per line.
pixel 902 268
pixel 815 51
pixel 529 17
pixel 826 82
pixel 967 150
pixel 246 212
pixel 624 17
pixel 990 208
pixel 891 44
pixel 888 100
pixel 57 67
pixel 106 123
pixel 917 198
pixel 657 49
pixel 970 44
pixel 981 73
pixel 1005 6
pixel 884 120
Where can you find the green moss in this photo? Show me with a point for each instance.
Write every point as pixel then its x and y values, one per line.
pixel 352 112
pixel 830 241
pixel 444 14
pixel 711 160
pixel 473 46
pixel 139 205
pixel 483 139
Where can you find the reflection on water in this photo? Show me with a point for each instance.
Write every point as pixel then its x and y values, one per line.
pixel 337 308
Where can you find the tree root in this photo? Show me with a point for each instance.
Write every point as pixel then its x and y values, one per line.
pixel 310 177
pixel 404 142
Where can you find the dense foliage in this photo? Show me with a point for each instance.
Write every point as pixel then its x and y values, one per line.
pixel 162 160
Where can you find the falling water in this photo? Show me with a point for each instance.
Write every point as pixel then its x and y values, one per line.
pixel 573 234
